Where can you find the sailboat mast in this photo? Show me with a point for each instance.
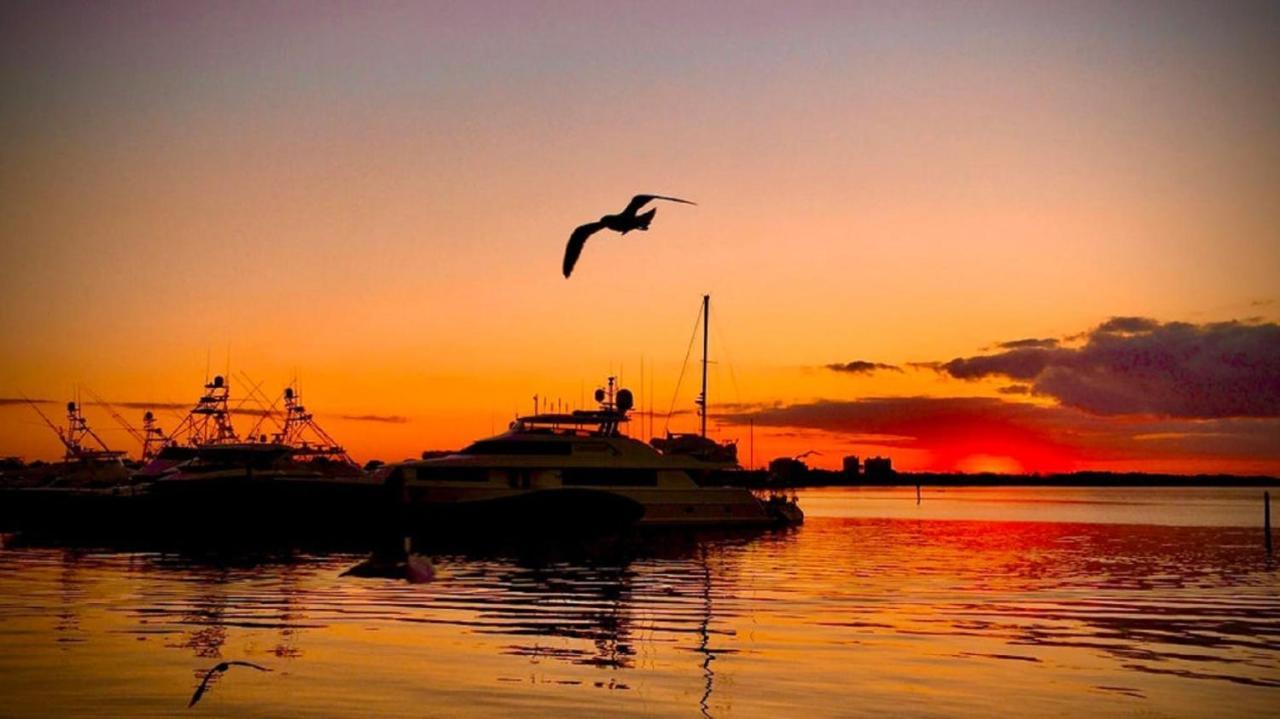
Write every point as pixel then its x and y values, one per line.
pixel 706 330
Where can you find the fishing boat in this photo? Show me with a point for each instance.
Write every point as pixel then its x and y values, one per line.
pixel 202 480
pixel 90 480
pixel 206 440
pixel 208 477
pixel 580 470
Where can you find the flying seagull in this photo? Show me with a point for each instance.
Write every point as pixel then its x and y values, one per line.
pixel 622 223
pixel 222 667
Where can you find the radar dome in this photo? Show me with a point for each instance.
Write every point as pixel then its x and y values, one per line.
pixel 288 393
pixel 625 400
pixel 599 395
pixel 218 381
pixel 71 406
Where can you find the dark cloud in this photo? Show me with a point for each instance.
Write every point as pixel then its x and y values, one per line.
pixel 1015 389
pixel 386 418
pixel 1019 364
pixel 740 408
pixel 862 367
pixel 1128 324
pixel 8 401
pixel 1138 366
pixel 887 415
pixel 1235 437
pixel 1045 343
pixel 5 401
pixel 661 413
pixel 152 405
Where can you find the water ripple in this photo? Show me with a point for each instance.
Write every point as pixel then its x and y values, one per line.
pixel 719 625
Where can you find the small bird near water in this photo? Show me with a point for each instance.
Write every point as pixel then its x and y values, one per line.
pixel 218 669
pixel 403 564
pixel 622 223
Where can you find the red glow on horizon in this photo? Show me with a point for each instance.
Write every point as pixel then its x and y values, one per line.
pixel 988 463
pixel 974 443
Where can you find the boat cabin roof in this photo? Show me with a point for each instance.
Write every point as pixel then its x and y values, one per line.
pixel 601 418
pixel 546 446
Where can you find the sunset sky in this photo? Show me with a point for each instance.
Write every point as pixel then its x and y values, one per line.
pixel 974 236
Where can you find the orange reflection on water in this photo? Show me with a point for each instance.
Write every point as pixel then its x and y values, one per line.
pixel 894 616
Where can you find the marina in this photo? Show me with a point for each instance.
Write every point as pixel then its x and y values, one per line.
pixel 346 366
pixel 574 472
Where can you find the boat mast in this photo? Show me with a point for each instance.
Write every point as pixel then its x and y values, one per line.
pixel 72 449
pixel 706 328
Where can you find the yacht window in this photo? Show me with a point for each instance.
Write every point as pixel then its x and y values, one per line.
pixel 592 448
pixel 517 446
pixel 453 474
pixel 608 477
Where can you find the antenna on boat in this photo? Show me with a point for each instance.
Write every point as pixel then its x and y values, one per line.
pixel 78 427
pixel 133 431
pixel 73 437
pixel 303 435
pixel 700 402
pixel 706 330
pixel 209 421
pixel 154 438
pixel 268 409
pixel 62 437
pixel 653 390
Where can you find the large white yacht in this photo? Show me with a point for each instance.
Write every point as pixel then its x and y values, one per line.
pixel 576 469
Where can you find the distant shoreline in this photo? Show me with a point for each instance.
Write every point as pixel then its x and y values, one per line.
pixel 828 478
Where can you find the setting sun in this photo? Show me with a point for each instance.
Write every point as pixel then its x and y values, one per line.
pixel 986 463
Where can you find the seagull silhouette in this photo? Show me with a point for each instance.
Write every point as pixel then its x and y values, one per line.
pixel 204 683
pixel 622 223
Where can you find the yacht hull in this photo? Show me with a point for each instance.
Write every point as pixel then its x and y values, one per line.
pixel 613 508
pixel 230 504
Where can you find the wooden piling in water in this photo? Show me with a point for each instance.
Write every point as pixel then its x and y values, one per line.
pixel 1266 520
pixel 918 495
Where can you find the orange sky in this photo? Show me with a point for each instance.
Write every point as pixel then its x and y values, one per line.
pixel 376 200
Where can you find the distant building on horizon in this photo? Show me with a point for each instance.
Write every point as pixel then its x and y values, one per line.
pixel 879 468
pixel 785 470
pixel 852 466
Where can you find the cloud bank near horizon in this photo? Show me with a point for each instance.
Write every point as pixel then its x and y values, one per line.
pixel 1140 366
pixel 862 367
pixel 1130 388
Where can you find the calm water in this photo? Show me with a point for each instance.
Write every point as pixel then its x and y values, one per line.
pixel 1048 602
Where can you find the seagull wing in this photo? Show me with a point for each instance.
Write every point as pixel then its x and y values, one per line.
pixel 248 664
pixel 576 242
pixel 204 684
pixel 221 667
pixel 640 201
